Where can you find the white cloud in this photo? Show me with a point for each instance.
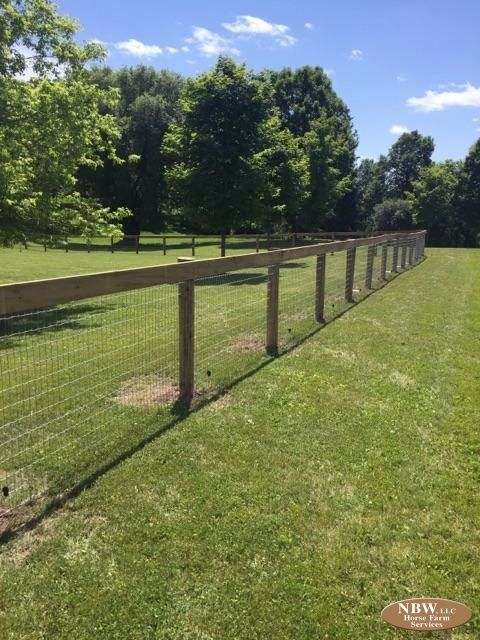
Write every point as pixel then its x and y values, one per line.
pixel 466 96
pixel 356 54
pixel 330 72
pixel 139 49
pixel 398 129
pixel 309 26
pixel 185 49
pixel 210 43
pixel 171 50
pixel 402 78
pixel 475 119
pixel 253 26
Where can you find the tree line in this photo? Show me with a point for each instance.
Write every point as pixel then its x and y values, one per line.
pixel 88 150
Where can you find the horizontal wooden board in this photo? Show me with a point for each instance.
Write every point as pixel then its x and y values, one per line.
pixel 39 294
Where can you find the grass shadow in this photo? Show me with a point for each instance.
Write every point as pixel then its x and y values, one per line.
pixel 55 319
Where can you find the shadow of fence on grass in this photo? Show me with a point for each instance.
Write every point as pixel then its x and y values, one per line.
pixel 29 515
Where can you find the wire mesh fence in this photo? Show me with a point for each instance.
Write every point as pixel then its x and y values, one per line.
pixel 69 376
pixel 83 382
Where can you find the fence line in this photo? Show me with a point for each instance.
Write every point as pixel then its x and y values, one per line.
pixel 292 239
pixel 91 363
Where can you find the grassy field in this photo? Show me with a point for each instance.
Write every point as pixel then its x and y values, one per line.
pixel 77 377
pixel 316 488
pixel 20 264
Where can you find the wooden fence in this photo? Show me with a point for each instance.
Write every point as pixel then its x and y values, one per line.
pixel 267 240
pixel 26 297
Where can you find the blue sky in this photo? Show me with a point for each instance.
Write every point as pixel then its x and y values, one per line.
pixel 398 64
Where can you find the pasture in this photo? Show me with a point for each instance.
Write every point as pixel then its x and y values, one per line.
pixel 18 263
pixel 301 494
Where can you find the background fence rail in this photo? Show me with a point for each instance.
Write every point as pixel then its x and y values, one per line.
pixel 93 364
pixel 170 244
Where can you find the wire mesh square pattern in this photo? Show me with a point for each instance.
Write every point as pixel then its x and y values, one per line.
pixel 84 381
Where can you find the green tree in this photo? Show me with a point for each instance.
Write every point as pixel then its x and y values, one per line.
pixel 468 199
pixel 369 187
pixel 406 157
pixel 284 166
pixel 35 38
pixel 392 215
pixel 217 180
pixel 312 111
pixel 433 201
pixel 147 106
pixel 49 125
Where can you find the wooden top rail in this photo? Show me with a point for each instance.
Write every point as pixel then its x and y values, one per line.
pixel 39 294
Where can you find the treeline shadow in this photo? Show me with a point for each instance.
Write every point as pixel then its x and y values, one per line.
pixel 13 328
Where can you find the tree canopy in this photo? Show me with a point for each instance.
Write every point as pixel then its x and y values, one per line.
pixel 214 173
pixel 85 149
pixel 406 158
pixel 148 104
pixel 50 125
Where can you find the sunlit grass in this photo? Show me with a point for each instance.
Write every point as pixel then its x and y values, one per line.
pixel 334 480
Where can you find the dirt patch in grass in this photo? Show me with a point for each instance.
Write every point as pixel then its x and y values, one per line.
pixel 247 343
pixel 402 380
pixel 147 392
pixel 152 391
pixel 15 509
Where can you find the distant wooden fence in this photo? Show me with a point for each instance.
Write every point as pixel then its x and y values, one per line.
pixel 267 240
pixel 31 296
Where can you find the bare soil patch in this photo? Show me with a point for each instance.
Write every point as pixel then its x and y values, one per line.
pixel 147 392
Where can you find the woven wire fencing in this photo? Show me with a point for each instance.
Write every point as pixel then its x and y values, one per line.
pixel 84 383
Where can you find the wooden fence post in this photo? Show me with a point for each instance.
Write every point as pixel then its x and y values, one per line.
pixel 193 246
pixel 395 256
pixel 369 271
pixel 272 309
pixel 320 289
pixel 257 244
pixel 186 334
pixel 350 274
pixel 417 249
pixel 66 245
pixel 383 263
pixel 137 244
pixel 164 246
pixel 111 243
pixel 403 259
pixel 411 247
pixel 223 245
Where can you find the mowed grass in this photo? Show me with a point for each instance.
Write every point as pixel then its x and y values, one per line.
pixel 333 480
pixel 19 264
pixel 85 383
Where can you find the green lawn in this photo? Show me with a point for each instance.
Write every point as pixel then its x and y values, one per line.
pixel 20 264
pixel 321 486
